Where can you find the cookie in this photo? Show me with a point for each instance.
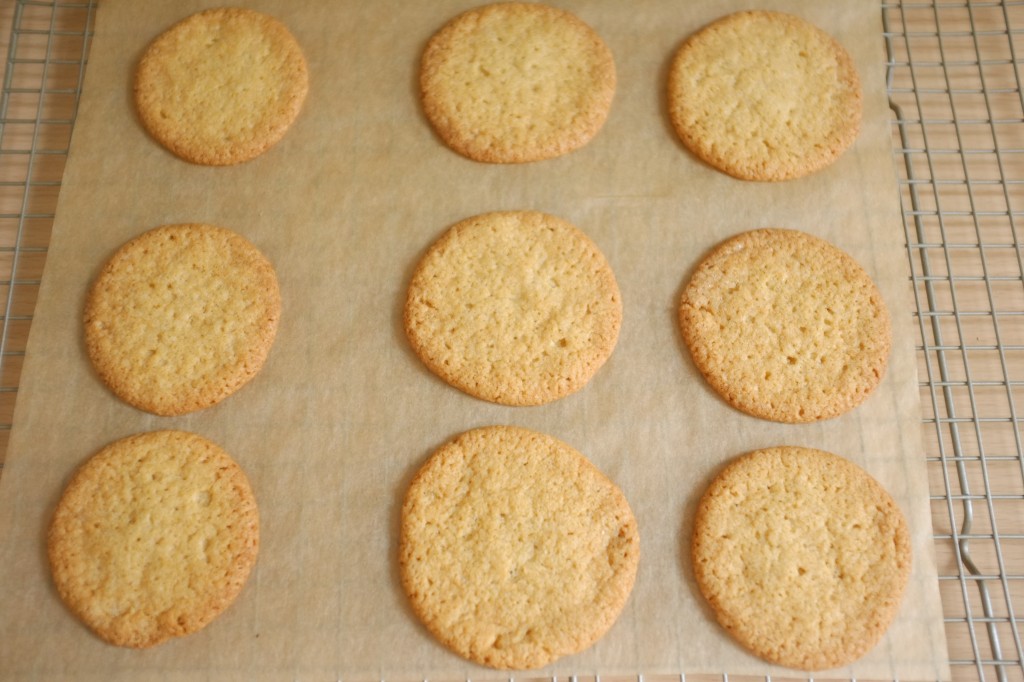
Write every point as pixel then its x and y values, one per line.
pixel 802 556
pixel 514 549
pixel 516 307
pixel 153 538
pixel 181 317
pixel 516 82
pixel 221 86
pixel 785 326
pixel 763 95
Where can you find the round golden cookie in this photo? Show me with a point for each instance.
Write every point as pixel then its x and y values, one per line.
pixel 785 326
pixel 222 86
pixel 153 538
pixel 763 95
pixel 515 82
pixel 802 555
pixel 181 317
pixel 515 550
pixel 517 307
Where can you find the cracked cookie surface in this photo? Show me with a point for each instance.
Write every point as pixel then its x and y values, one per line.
pixel 802 555
pixel 785 326
pixel 763 95
pixel 181 317
pixel 153 537
pixel 221 86
pixel 514 549
pixel 516 82
pixel 514 307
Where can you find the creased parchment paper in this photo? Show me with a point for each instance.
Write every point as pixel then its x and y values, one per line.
pixel 332 430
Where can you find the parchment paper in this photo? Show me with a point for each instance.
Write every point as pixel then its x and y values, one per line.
pixel 342 415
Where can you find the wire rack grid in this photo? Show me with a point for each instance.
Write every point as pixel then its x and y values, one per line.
pixel 958 129
pixel 954 80
pixel 46 52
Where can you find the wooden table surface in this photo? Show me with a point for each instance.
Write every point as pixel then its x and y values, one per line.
pixel 958 136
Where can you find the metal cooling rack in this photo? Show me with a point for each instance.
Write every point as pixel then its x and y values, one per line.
pixel 46 51
pixel 954 79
